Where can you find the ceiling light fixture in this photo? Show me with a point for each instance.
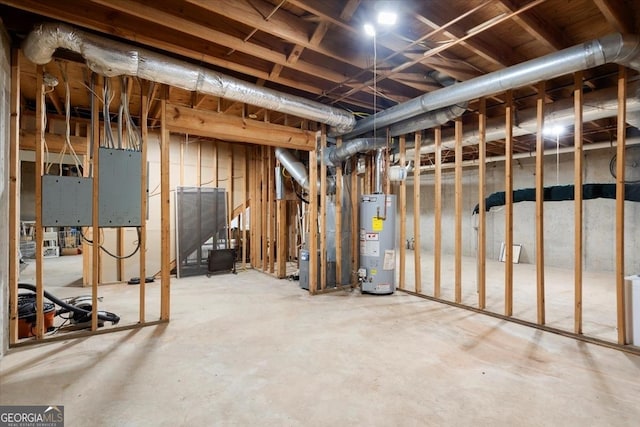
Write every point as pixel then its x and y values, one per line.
pixel 369 30
pixel 555 130
pixel 386 17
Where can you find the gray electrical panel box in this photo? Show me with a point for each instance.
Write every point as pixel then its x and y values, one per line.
pixel 119 188
pixel 66 201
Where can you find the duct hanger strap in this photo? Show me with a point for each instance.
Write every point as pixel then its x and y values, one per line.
pixel 111 58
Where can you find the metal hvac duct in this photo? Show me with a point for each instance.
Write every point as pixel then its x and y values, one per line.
pixel 616 48
pixel 597 105
pixel 335 155
pixel 298 172
pixel 111 58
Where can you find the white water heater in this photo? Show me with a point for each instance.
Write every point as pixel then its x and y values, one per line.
pixel 377 244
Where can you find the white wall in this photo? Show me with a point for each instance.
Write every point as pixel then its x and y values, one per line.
pixel 5 113
pixel 599 215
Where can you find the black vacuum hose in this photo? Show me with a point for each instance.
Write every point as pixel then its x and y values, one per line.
pixel 104 316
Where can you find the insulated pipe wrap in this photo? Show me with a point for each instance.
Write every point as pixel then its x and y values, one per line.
pixel 111 58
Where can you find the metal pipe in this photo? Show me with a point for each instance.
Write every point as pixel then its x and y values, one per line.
pixel 428 120
pixel 379 171
pixel 616 48
pixel 111 58
pixel 298 171
pixel 334 155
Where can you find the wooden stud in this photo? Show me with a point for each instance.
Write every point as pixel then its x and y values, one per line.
pixel 416 213
pixel 215 164
pixel 458 209
pixel 355 218
pixel 265 209
pixel 144 133
pixel 540 107
pixel 339 194
pixel 313 222
pixel 182 162
pixel 323 208
pixel 620 171
pixel 40 129
pixel 120 252
pixel 253 218
pixel 403 214
pixel 578 169
pixel 482 182
pixel 95 220
pixel 199 165
pixel 387 162
pixel 165 211
pixel 14 196
pixel 272 211
pixel 508 179
pixel 281 240
pixel 437 217
pixel 245 195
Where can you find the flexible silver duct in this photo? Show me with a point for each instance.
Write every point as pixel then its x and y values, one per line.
pixel 334 155
pixel 614 48
pixel 597 105
pixel 428 120
pixel 379 171
pixel 111 58
pixel 298 171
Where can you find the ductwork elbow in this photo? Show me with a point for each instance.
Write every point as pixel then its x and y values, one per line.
pixel 623 49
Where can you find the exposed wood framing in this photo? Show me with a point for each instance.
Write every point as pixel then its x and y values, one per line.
pixel 540 107
pixel 620 171
pixel 142 259
pixel 55 142
pixel 14 195
pixel 272 211
pixel 617 14
pixel 416 213
pixel 458 209
pixel 165 210
pixel 236 129
pixel 403 214
pixel 323 209
pixel 245 196
pixel 578 170
pixel 508 221
pixel 355 230
pixel 95 219
pixel 482 182
pixel 437 217
pixel 264 209
pixel 339 194
pixel 313 222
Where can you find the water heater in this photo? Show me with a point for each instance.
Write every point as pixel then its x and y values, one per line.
pixel 377 244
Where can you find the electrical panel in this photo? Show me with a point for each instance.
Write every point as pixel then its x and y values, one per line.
pixel 66 201
pixel 119 188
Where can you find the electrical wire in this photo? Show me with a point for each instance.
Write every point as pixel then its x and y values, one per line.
pixel 105 250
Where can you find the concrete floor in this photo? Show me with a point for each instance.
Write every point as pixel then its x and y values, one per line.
pixel 252 350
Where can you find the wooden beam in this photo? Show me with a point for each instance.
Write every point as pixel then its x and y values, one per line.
pixel 618 14
pixel 264 212
pixel 458 210
pixel 416 214
pixel 620 171
pixel 339 195
pixel 577 185
pixel 323 208
pixel 272 211
pixel 403 213
pixel 236 129
pixel 482 218
pixel 95 217
pixel 144 192
pixel 538 27
pixel 55 142
pixel 245 196
pixel 437 216
pixel 540 108
pixel 313 222
pixel 165 211
pixel 14 195
pixel 508 221
pixel 282 241
pixel 355 217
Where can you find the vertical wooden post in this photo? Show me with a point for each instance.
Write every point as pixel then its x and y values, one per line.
pixel 120 252
pixel 323 208
pixel 144 133
pixel 282 240
pixel 416 214
pixel 578 158
pixel 245 195
pixel 482 182
pixel 272 211
pixel 458 209
pixel 215 164
pixel 355 217
pixel 403 214
pixel 540 204
pixel 14 195
pixel 508 220
pixel 437 216
pixel 40 130
pixel 620 171
pixel 165 203
pixel 199 165
pixel 313 222
pixel 254 207
pixel 339 218
pixel 264 205
pixel 95 219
